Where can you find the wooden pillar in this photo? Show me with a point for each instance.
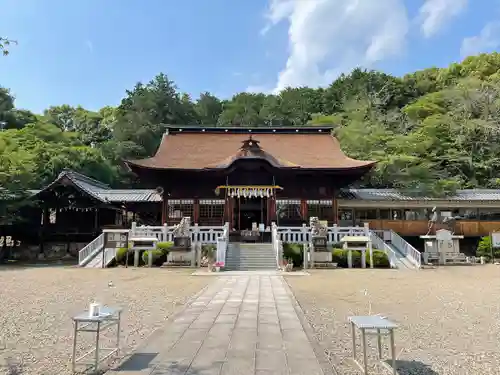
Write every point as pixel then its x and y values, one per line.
pixel 96 220
pixel 44 226
pixel 272 206
pixel 335 208
pixel 268 211
pixel 231 205
pixel 303 209
pixel 196 210
pixel 164 211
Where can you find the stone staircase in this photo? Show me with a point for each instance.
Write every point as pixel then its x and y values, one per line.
pixel 96 262
pixel 250 256
pixel 401 261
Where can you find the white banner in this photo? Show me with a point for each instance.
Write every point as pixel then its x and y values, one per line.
pixel 495 239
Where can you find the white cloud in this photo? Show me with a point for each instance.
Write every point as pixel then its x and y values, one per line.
pixel 434 14
pixel 328 37
pixel 487 40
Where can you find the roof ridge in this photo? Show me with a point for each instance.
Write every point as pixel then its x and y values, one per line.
pixel 79 176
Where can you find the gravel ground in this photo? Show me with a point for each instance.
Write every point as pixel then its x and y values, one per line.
pixel 36 306
pixel 449 317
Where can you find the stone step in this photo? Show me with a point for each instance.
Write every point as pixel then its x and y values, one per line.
pixel 250 258
pixel 238 265
pixel 253 251
pixel 249 268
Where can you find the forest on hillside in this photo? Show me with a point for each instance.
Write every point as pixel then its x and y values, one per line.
pixel 432 131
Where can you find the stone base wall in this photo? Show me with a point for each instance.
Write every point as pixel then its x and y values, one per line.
pixel 179 256
pixel 322 257
pixel 52 251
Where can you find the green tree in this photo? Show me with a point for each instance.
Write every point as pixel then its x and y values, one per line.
pixel 208 109
pixel 5 43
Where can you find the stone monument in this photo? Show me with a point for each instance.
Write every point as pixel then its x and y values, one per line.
pixel 319 240
pixel 181 253
pixel 443 247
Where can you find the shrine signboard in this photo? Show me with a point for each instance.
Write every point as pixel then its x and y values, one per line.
pixel 115 238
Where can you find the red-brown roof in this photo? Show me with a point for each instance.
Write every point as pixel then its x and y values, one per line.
pixel 218 150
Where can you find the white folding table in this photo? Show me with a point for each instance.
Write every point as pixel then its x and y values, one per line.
pixel 374 325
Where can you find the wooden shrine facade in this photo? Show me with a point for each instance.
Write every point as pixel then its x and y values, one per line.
pixel 72 210
pixel 246 176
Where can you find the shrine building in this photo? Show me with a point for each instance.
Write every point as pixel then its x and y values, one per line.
pixel 248 175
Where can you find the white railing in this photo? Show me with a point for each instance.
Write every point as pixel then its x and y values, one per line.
pixel 162 232
pixel 379 244
pixel 109 255
pixel 165 233
pixel 291 234
pixel 222 242
pixel 335 233
pixel 277 243
pixel 90 250
pixel 412 254
pixel 207 234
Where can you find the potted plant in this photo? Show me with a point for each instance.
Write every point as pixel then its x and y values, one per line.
pixel 218 266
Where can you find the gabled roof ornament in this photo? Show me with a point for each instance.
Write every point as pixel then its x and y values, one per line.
pixel 250 144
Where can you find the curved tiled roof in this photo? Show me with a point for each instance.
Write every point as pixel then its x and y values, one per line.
pixel 101 191
pixel 395 195
pixel 200 151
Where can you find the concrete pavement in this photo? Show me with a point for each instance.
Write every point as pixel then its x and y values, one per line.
pixel 239 325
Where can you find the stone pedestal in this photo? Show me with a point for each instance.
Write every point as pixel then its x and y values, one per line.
pixel 179 257
pixel 321 255
pixel 181 254
pixel 182 242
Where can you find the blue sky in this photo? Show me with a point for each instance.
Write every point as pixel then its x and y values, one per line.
pixel 88 52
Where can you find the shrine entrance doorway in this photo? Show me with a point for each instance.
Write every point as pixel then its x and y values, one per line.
pixel 250 212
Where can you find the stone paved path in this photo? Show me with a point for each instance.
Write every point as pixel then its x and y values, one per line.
pixel 239 325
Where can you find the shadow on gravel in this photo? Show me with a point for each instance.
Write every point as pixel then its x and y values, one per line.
pixel 13 368
pixel 413 368
pixel 137 362
pixel 140 362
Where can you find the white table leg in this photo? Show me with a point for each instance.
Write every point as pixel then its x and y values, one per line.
pixel 379 342
pixel 393 353
pixel 96 358
pixel 365 357
pixel 75 335
pixel 353 327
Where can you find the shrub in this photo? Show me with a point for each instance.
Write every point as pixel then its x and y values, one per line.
pixel 380 259
pixel 159 257
pixel 293 251
pixel 339 256
pixel 121 256
pixel 484 249
pixel 164 246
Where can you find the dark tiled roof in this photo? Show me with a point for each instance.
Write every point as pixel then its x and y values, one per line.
pixel 395 195
pixel 207 150
pixel 103 192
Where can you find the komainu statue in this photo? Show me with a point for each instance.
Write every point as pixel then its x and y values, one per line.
pixel 182 229
pixel 317 229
